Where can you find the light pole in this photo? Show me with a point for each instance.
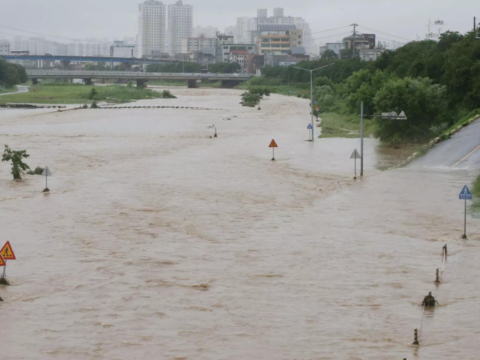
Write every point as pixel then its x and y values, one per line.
pixel 311 92
pixel 389 116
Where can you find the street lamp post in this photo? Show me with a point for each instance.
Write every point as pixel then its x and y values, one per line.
pixel 311 92
pixel 389 116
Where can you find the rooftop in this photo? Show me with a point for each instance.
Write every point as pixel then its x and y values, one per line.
pixel 276 27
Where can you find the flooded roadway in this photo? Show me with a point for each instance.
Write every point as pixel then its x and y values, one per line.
pixel 160 242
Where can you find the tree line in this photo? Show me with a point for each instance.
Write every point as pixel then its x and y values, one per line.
pixel 433 82
pixel 11 74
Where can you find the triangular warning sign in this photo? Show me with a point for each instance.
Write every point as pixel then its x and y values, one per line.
pixel 2 262
pixel 7 252
pixel 273 144
pixel 355 155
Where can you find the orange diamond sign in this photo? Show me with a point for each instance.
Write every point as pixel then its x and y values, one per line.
pixel 7 252
pixel 273 144
pixel 2 262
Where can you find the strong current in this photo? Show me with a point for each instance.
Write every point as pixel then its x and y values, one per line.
pixel 158 241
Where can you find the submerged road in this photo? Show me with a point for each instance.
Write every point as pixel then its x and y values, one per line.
pixel 20 89
pixel 462 151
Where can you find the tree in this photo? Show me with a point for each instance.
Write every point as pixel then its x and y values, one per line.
pixel 16 156
pixel 423 103
pixel 329 55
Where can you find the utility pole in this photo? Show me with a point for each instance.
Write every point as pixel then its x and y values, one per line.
pixel 311 93
pixel 354 38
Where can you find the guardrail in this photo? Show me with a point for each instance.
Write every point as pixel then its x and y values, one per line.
pixel 81 74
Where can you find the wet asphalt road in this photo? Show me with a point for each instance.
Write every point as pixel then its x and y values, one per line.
pixel 462 151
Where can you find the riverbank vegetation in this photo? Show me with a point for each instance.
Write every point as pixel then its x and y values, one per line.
pixel 66 93
pixel 11 75
pixel 437 84
pixel 475 208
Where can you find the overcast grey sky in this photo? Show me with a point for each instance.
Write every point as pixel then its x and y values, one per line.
pixel 118 18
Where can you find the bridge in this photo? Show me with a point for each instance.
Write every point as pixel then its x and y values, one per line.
pixel 68 59
pixel 193 79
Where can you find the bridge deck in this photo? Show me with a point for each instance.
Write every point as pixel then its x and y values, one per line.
pixel 131 75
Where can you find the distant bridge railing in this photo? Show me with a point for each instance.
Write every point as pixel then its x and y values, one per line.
pixel 132 75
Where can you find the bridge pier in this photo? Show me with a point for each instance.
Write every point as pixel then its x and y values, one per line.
pixel 193 84
pixel 35 81
pixel 229 83
pixel 65 64
pixel 88 81
pixel 141 84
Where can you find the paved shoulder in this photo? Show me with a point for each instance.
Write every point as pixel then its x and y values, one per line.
pixel 462 151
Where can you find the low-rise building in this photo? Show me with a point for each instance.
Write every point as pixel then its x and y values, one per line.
pixel 4 47
pixel 278 39
pixel 122 50
pixel 225 46
pixel 193 44
pixel 240 57
pixel 335 47
pixel 370 54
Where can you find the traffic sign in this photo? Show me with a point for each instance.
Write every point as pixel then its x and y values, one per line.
pixel 46 172
pixel 2 262
pixel 355 155
pixel 7 252
pixel 273 144
pixel 465 194
pixel 309 127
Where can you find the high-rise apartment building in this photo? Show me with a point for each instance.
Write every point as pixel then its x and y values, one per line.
pixel 180 25
pixel 151 28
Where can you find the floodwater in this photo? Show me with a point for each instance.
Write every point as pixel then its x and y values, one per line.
pixel 159 242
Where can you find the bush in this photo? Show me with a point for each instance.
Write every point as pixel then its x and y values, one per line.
pixel 250 99
pixel 166 94
pixel 93 94
pixel 38 171
pixel 94 105
pixel 16 156
pixel 423 103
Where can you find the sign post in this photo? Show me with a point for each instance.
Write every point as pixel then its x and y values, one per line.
pixel 465 195
pixel 46 172
pixel 273 145
pixel 6 254
pixel 3 264
pixel 310 127
pixel 355 156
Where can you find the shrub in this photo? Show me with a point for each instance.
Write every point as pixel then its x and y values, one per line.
pixel 93 94
pixel 16 156
pixel 38 171
pixel 166 94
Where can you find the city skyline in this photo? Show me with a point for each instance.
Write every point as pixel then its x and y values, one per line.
pixel 118 19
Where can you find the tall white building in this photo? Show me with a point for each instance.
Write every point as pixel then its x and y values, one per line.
pixel 180 25
pixel 245 26
pixel 151 28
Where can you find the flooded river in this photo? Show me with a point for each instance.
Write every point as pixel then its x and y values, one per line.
pixel 160 242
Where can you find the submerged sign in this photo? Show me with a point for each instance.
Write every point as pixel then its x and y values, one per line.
pixel 465 194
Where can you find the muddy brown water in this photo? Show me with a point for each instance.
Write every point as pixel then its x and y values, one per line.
pixel 157 241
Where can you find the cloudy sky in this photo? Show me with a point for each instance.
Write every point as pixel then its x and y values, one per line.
pixel 114 19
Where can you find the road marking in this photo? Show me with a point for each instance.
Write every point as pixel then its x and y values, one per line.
pixel 466 157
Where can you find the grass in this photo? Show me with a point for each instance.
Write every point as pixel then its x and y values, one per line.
pixel 475 208
pixel 63 93
pixel 345 126
pixel 8 90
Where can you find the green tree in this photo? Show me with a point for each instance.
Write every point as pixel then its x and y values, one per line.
pixel 16 156
pixel 329 55
pixel 423 103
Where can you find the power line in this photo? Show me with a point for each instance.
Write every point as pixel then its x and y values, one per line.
pixel 384 33
pixel 324 37
pixel 35 33
pixel 341 27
